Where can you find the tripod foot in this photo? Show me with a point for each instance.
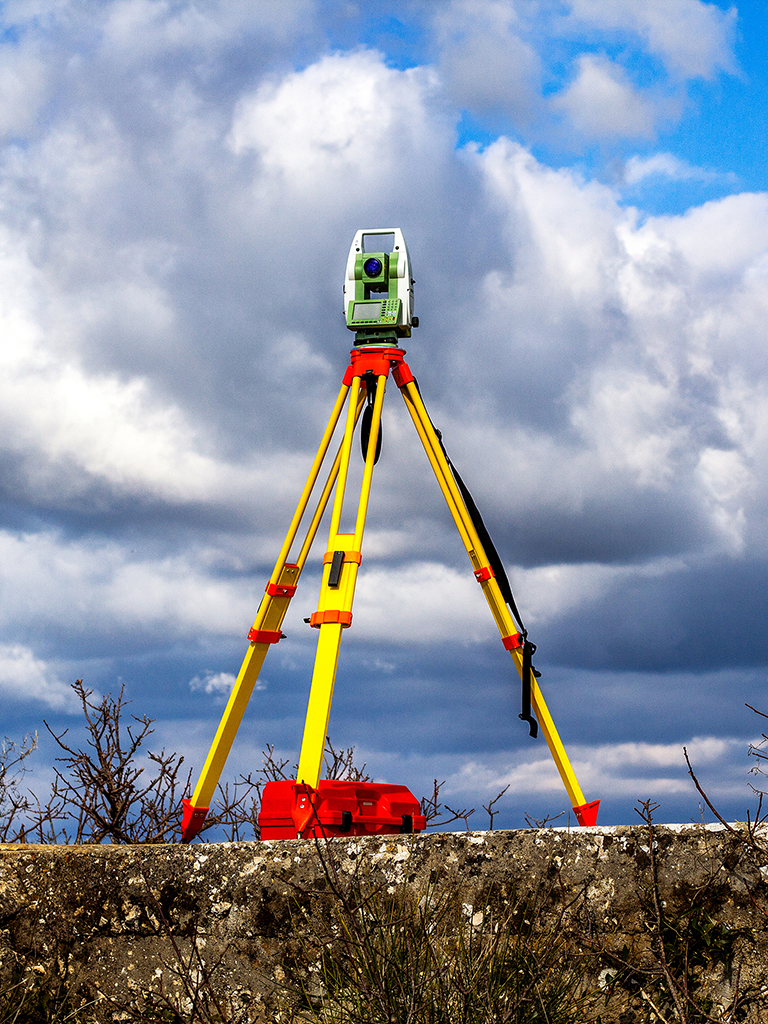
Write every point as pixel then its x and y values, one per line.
pixel 192 820
pixel 587 813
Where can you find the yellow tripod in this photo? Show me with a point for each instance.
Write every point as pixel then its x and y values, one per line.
pixel 365 380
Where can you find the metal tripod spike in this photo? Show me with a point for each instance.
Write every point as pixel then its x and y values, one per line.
pixel 368 363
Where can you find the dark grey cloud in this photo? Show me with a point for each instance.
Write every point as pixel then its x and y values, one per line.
pixel 703 617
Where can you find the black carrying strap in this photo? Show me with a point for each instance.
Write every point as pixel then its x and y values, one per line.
pixel 489 547
pixel 526 714
pixel 365 426
pixel 502 579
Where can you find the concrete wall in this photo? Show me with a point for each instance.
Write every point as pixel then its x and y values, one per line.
pixel 116 919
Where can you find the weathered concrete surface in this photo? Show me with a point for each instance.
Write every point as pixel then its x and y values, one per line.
pixel 107 917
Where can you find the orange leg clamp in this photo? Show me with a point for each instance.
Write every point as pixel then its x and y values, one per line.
pixel 349 556
pixel 512 641
pixel 276 590
pixel 265 636
pixel 318 619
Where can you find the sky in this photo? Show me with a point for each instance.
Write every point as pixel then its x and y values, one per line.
pixel 582 186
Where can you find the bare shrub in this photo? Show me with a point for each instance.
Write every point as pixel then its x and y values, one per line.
pixel 100 792
pixel 14 805
pixel 111 789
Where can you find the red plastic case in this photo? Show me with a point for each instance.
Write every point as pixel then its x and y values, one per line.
pixel 290 809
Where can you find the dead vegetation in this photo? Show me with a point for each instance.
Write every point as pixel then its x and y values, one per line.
pixel 111 787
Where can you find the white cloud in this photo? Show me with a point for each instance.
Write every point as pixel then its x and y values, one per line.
pixel 640 770
pixel 635 770
pixel 556 225
pixel 574 256
pixel 724 474
pixel 494 56
pixel 694 39
pixel 67 586
pixel 74 426
pixel 553 590
pixel 329 119
pixel 720 240
pixel 24 677
pixel 473 35
pixel 637 168
pixel 420 603
pixel 628 421
pixel 601 102
pixel 658 326
pixel 218 682
pixel 510 70
pixel 728 480
pixel 23 89
pixel 135 31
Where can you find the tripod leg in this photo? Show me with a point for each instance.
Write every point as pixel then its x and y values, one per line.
pixel 314 472
pixel 426 431
pixel 337 593
pixel 265 631
pixel 323 500
pixel 271 621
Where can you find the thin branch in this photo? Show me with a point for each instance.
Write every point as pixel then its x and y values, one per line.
pixel 647 815
pixel 708 802
pixel 463 815
pixel 488 807
pixel 542 822
pixel 653 1006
